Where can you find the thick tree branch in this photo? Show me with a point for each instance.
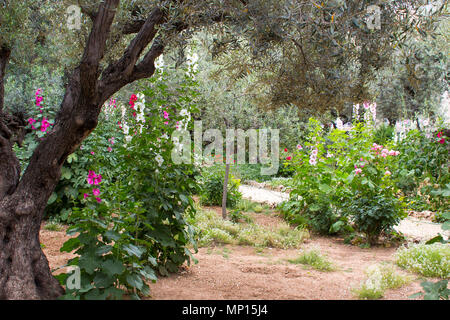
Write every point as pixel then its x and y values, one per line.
pixel 4 58
pixel 124 66
pixel 95 47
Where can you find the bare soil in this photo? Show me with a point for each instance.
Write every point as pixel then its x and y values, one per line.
pixel 243 272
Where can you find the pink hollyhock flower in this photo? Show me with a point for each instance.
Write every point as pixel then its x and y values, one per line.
pixel 98 200
pixel 312 161
pixel 439 134
pixel 92 152
pixel 387 173
pixel 95 192
pixel 109 149
pixel 94 178
pixel 166 123
pixel 91 177
pixel 98 179
pixel 31 121
pixel 442 141
pixel 45 124
pixel 362 165
pixel 358 171
pixel 299 147
pixel 314 152
pixel 86 196
pixel 166 115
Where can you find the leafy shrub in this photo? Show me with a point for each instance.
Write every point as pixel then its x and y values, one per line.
pixel 314 259
pixel 335 173
pixel 383 134
pixel 374 214
pixel 212 187
pixel 434 290
pixel 424 169
pixel 379 279
pixel 430 260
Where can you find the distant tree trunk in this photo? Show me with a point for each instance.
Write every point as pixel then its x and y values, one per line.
pixel 225 191
pixel 24 269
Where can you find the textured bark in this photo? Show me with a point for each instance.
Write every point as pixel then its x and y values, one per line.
pixel 24 269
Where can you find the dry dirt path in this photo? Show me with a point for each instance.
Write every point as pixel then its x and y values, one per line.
pixel 236 272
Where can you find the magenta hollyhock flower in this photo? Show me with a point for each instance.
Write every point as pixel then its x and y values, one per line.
pixel 86 196
pixel 91 177
pixel 166 115
pixel 96 192
pixel 442 141
pixel 92 152
pixel 98 179
pixel 45 124
pixel 288 158
pixel 439 134
pixel 31 121
pixel 166 123
pixel 109 149
pixel 98 200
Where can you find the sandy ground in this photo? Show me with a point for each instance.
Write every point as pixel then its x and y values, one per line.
pixel 234 272
pixel 242 272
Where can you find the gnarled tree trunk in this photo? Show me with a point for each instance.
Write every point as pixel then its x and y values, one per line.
pixel 24 269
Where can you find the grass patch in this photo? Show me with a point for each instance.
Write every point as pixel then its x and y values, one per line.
pixel 213 229
pixel 379 279
pixel 429 260
pixel 314 259
pixel 53 226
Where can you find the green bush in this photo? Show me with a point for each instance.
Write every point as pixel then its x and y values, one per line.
pixel 383 134
pixel 374 214
pixel 343 180
pixel 212 187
